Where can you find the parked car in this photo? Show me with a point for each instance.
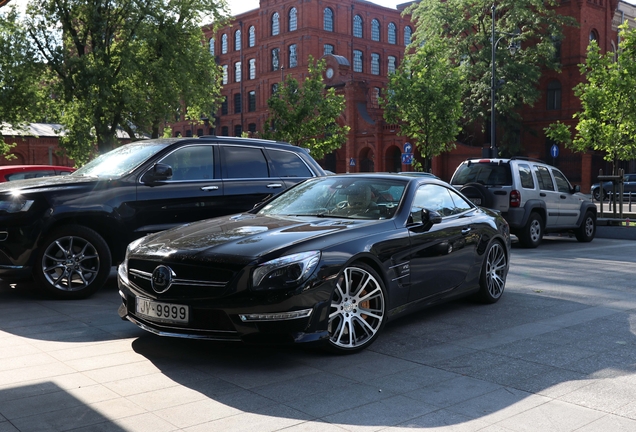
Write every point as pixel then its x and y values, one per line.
pixel 21 172
pixel 534 197
pixel 629 186
pixel 67 231
pixel 331 259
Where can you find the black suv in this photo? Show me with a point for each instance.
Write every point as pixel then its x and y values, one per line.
pixel 68 231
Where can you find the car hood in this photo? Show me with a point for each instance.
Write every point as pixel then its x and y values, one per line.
pixel 46 183
pixel 247 236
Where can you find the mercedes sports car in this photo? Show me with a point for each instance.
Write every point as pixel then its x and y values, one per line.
pixel 331 261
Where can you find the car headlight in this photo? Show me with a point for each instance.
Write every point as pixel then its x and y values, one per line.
pixel 285 272
pixel 122 270
pixel 15 205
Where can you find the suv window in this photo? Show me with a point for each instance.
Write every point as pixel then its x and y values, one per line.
pixel 244 162
pixel 543 177
pixel 191 163
pixel 525 175
pixel 288 164
pixel 562 183
pixel 486 173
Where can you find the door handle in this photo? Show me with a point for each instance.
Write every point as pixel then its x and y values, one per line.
pixel 542 194
pixel 466 230
pixel 209 188
pixel 563 197
pixel 274 185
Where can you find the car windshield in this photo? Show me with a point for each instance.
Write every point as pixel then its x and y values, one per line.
pixel 342 197
pixel 486 173
pixel 121 160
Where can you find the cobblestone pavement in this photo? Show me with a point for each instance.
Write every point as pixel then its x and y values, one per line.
pixel 557 353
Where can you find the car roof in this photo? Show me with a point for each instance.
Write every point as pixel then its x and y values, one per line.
pixel 17 168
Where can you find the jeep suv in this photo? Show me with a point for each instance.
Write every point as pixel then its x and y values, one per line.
pixel 68 231
pixel 534 197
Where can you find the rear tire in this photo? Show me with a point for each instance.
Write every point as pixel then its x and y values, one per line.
pixel 494 270
pixel 532 234
pixel 587 231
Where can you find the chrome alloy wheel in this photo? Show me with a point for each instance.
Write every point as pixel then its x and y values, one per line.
pixel 496 270
pixel 589 226
pixel 70 263
pixel 357 309
pixel 535 231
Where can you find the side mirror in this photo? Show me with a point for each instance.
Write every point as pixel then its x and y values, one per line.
pixel 158 172
pixel 576 189
pixel 430 218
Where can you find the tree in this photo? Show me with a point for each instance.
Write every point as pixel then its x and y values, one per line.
pixel 115 64
pixel 467 25
pixel 307 115
pixel 607 119
pixel 424 98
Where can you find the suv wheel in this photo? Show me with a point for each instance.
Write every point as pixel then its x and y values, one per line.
pixel 73 262
pixel 531 234
pixel 587 230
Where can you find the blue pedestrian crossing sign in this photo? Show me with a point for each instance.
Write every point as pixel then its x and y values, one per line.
pixel 352 162
pixel 554 150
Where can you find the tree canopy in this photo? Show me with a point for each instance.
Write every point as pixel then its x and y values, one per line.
pixel 108 65
pixel 307 115
pixel 424 98
pixel 467 25
pixel 607 119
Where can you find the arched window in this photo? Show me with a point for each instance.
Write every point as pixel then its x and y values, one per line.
pixel 252 68
pixel 225 74
pixel 375 30
pixel 328 20
pixel 224 44
pixel 275 24
pixel 408 33
pixel 392 34
pixel 237 72
pixel 375 64
pixel 594 36
pixel 237 40
pixel 293 19
pixel 357 61
pixel 252 36
pixel 211 44
pixel 554 95
pixel 357 26
pixel 293 56
pixel 392 64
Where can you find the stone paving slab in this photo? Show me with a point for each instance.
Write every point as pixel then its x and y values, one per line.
pixel 557 353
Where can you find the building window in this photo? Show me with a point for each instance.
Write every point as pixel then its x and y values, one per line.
pixel 327 21
pixel 293 57
pixel 328 49
pixel 251 101
pixel 275 24
pixel 237 103
pixel 357 61
pixel 211 44
pixel 252 36
pixel 594 36
pixel 391 64
pixel 357 26
pixel 274 89
pixel 238 130
pixel 375 98
pixel 556 42
pixel 252 69
pixel 237 40
pixel 225 131
pixel 275 59
pixel 408 33
pixel 199 132
pixel 237 72
pixel 392 34
pixel 375 64
pixel 554 95
pixel 225 78
pixel 224 44
pixel 375 30
pixel 224 109
pixel 293 19
pixel 251 127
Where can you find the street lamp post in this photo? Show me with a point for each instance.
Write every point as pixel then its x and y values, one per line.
pixel 492 152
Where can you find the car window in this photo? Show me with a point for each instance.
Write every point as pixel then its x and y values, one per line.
pixel 30 174
pixel 486 173
pixel 434 197
pixel 461 205
pixel 191 163
pixel 563 185
pixel 543 178
pixel 244 162
pixel 525 175
pixel 288 164
pixel 122 160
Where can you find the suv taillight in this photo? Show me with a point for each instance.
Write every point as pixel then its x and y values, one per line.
pixel 515 198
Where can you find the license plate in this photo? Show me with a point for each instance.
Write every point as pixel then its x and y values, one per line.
pixel 476 201
pixel 162 312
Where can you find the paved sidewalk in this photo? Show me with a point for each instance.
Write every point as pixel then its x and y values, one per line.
pixel 557 353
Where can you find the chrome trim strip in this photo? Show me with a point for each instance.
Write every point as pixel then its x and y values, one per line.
pixel 403 276
pixel 177 281
pixel 181 335
pixel 401 264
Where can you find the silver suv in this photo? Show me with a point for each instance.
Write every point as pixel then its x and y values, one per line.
pixel 534 197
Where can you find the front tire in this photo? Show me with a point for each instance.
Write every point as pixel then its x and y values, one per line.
pixel 358 309
pixel 587 231
pixel 73 263
pixel 532 234
pixel 494 271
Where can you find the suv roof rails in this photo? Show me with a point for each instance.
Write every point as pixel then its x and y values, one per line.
pixel 527 159
pixel 231 138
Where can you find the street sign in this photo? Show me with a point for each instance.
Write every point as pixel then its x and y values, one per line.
pixel 554 150
pixel 407 158
pixel 408 148
pixel 352 162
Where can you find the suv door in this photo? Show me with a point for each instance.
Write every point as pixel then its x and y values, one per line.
pixel 569 204
pixel 549 195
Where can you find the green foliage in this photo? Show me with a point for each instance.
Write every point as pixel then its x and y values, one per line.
pixel 607 120
pixel 424 98
pixel 307 115
pixel 118 64
pixel 467 25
